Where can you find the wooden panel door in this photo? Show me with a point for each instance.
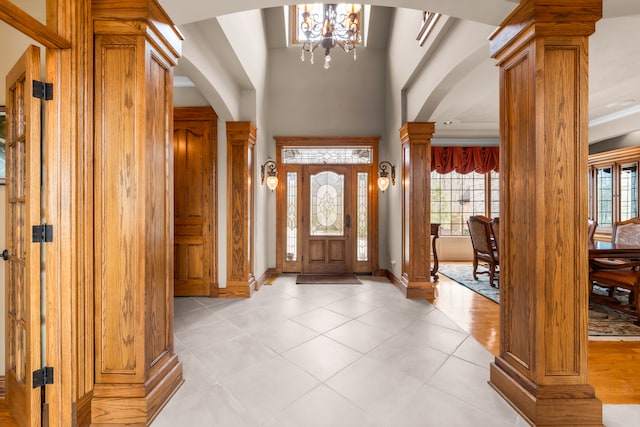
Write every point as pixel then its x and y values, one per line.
pixel 326 203
pixel 22 332
pixel 195 222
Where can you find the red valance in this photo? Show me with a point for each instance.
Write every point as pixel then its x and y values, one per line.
pixel 465 159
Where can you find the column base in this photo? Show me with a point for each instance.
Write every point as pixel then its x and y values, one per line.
pixel 239 288
pixel 418 289
pixel 136 404
pixel 546 406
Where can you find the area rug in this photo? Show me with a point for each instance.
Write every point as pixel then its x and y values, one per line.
pixel 327 279
pixel 604 321
pixel 463 274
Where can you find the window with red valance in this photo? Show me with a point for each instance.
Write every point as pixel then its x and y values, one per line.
pixel 464 160
pixel 464 182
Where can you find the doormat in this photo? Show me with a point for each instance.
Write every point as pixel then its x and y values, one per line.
pixel 327 279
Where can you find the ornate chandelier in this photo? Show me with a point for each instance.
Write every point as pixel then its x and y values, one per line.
pixel 328 25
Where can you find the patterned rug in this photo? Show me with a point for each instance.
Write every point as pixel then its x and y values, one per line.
pixel 604 321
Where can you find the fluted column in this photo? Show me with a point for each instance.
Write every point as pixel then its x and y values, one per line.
pixel 416 229
pixel 542 52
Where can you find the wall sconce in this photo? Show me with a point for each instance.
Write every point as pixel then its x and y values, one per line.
pixel 271 169
pixel 383 175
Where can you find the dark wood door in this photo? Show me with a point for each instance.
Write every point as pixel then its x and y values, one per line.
pixel 327 241
pixel 195 240
pixel 23 337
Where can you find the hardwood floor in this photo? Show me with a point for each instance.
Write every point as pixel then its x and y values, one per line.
pixel 614 366
pixel 6 420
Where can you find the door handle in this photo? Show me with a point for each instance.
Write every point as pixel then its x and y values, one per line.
pixel 5 255
pixel 347 221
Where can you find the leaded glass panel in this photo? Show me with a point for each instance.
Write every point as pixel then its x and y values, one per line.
pixel 327 204
pixel 327 155
pixel 363 235
pixel 628 192
pixel 292 216
pixel 605 196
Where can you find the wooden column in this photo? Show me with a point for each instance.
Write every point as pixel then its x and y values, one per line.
pixel 416 209
pixel 541 49
pixel 136 370
pixel 241 139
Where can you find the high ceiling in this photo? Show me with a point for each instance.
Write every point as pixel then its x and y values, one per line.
pixel 470 106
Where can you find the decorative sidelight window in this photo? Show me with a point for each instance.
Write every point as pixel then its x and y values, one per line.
pixel 292 216
pixel 362 216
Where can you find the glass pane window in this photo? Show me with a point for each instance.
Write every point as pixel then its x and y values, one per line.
pixel 604 184
pixel 363 209
pixel 327 204
pixel 327 155
pixel 494 185
pixel 292 216
pixel 628 192
pixel 455 197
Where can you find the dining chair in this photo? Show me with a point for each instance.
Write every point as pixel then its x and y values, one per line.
pixel 620 273
pixel 495 229
pixel 484 250
pixel 626 232
pixel 593 225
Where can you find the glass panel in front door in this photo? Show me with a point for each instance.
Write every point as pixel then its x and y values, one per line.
pixel 327 204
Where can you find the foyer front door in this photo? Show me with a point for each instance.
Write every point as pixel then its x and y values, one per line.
pixel 22 277
pixel 327 240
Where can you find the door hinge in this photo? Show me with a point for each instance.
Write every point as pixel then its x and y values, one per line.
pixel 42 377
pixel 42 90
pixel 42 233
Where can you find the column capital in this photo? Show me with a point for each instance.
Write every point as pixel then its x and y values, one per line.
pixel 245 131
pixel 545 18
pixel 417 132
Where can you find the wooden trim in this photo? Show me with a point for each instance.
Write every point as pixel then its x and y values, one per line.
pixel 69 205
pixel 621 155
pixel 395 281
pixel 266 278
pixel 29 26
pixel 302 141
pixel 83 410
pixel 2 387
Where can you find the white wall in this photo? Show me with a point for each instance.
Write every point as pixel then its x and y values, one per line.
pixel 304 99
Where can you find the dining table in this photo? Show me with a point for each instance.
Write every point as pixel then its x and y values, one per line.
pixel 600 249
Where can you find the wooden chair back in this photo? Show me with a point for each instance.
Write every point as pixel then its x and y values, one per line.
pixel 626 232
pixel 495 229
pixel 593 225
pixel 480 231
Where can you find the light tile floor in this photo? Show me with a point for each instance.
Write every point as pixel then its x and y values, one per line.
pixel 332 356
